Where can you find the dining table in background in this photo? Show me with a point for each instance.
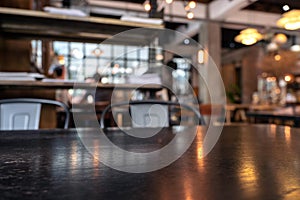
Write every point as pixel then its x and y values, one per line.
pixel 283 116
pixel 247 162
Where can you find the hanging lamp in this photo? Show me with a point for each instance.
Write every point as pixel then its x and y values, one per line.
pixel 290 20
pixel 248 36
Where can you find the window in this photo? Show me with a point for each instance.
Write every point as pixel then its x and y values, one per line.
pixel 83 60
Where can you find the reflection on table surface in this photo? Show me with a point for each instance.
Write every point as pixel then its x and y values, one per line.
pixel 248 162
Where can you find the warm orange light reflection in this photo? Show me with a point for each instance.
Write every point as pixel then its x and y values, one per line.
pixel 247 172
pixel 187 188
pixel 272 131
pixel 96 154
pixel 199 153
pixel 74 156
pixel 287 134
pixel 280 175
pixel 200 159
pixel 248 175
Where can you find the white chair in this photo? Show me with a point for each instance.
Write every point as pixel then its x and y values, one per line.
pixel 24 113
pixel 151 113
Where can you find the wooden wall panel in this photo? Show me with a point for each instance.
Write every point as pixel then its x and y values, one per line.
pixel 15 55
pixel 24 4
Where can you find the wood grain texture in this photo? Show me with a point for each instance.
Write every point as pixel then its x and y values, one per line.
pixel 248 162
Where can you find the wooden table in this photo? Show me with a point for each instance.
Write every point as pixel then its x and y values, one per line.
pixel 240 110
pixel 248 162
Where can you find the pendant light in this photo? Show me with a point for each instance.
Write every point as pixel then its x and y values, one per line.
pixel 248 36
pixel 290 20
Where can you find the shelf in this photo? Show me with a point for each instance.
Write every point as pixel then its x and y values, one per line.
pixel 29 24
pixel 70 85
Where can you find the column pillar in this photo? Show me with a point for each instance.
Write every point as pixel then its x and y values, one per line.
pixel 210 40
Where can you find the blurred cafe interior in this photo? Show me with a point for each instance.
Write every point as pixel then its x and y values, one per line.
pixel 231 64
pixel 255 52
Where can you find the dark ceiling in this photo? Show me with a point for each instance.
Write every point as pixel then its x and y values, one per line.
pixel 271 6
pixel 142 1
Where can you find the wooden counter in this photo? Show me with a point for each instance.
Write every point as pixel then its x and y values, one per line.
pixel 70 85
pixel 20 23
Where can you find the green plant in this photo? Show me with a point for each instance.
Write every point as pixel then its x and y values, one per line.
pixel 234 93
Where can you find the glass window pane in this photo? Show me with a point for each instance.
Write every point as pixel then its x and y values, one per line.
pixel 105 68
pixel 119 51
pixel 36 46
pixel 90 67
pixel 106 50
pixel 91 62
pixel 77 50
pixel 144 52
pixel 132 52
pixel 132 64
pixel 90 71
pixel 89 49
pixel 61 48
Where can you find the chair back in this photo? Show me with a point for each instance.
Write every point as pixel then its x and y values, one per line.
pixel 24 113
pixel 151 113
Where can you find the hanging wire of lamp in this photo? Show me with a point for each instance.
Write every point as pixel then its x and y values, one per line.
pixel 290 20
pixel 248 36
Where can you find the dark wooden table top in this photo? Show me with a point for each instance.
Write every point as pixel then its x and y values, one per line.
pixel 248 162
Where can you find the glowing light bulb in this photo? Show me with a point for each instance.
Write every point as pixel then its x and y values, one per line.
pixel 286 8
pixel 277 57
pixel 287 78
pixel 190 15
pixel 192 4
pixel 169 1
pixel 147 6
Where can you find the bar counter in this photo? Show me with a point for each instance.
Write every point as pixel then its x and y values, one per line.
pixel 247 162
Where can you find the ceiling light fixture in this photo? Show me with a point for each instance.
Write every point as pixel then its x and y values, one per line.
pixel 295 48
pixel 248 36
pixel 285 7
pixel 190 15
pixel 280 38
pixel 201 56
pixel 188 5
pixel 290 20
pixel 147 6
pixel 277 57
pixel 97 52
pixel 192 4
